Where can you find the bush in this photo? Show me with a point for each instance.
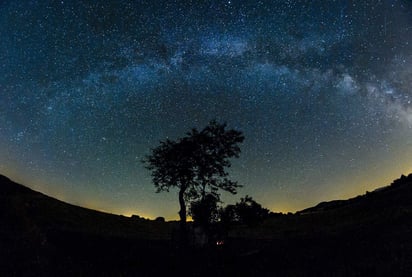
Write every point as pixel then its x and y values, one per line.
pixel 247 211
pixel 160 219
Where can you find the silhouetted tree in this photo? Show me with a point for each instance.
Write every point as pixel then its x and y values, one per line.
pixel 160 219
pixel 195 164
pixel 250 212
pixel 247 211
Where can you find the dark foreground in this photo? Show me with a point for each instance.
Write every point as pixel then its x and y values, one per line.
pixel 370 235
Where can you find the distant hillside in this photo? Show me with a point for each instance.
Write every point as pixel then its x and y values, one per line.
pixel 42 236
pixel 388 209
pixel 399 193
pixel 31 209
pixel 368 235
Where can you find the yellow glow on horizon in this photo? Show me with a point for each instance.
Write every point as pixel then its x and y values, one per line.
pixel 129 213
pixel 344 187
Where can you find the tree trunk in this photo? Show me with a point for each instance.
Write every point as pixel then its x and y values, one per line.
pixel 182 212
pixel 183 216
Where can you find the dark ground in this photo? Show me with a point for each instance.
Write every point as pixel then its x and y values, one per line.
pixel 370 235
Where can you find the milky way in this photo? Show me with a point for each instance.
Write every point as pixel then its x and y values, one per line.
pixel 320 89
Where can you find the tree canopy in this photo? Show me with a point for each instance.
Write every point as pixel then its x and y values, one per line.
pixel 247 211
pixel 196 163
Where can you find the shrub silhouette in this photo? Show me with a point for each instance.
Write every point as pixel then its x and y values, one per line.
pixel 247 211
pixel 160 219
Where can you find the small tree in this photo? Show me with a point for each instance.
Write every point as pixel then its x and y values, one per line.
pixel 250 212
pixel 247 211
pixel 195 164
pixel 160 219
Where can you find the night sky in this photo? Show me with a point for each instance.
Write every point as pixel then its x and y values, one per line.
pixel 320 89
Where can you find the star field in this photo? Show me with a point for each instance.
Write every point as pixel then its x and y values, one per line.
pixel 320 89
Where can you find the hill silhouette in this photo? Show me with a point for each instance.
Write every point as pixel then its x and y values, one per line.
pixel 42 236
pixel 36 209
pixel 394 195
pixel 369 235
